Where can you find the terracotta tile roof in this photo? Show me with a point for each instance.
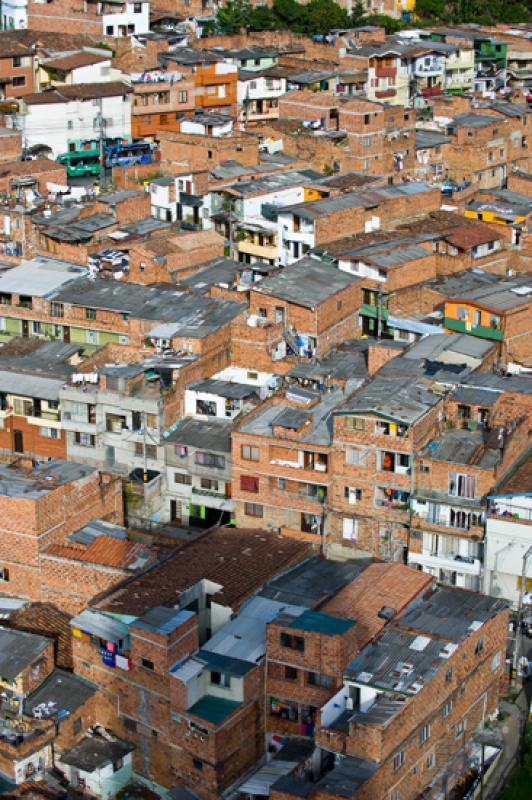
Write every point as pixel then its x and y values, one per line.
pixel 379 585
pixel 467 236
pixel 106 551
pixel 520 481
pixel 79 91
pixel 75 60
pixel 47 620
pixel 239 559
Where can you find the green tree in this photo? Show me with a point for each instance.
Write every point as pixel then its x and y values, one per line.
pixel 262 18
pixel 290 15
pixel 358 14
pixel 232 17
pixel 323 15
pixel 389 24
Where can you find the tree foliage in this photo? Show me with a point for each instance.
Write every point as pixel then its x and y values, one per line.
pixel 320 16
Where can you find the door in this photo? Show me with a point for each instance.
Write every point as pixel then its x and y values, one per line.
pixel 25 328
pixel 18 441
pixel 279 314
pixel 66 333
pixel 175 511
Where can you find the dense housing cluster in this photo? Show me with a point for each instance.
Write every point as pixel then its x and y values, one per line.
pixel 265 403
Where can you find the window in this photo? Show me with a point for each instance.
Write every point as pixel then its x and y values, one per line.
pixel 209 154
pixel 248 483
pixel 430 761
pixel 210 460
pixel 460 728
pixel 495 661
pixel 197 763
pixel 250 453
pixel 253 510
pixel 479 647
pixel 4 574
pixel 355 456
pixel 19 81
pixel 394 794
pixel 424 467
pixel 17 61
pixel 151 451
pixel 85 439
pixel 461 485
pixel 292 642
pixel 290 674
pixel 70 124
pixel 447 708
pixel 350 529
pixel 220 679
pixel 137 8
pixel 183 96
pixel 424 733
pixel 317 679
pixel 355 423
pixel 449 674
pixel 36 328
pixel 118 764
pixel 207 483
pixel 180 477
pixel 367 141
pixel 49 433
pixel 77 727
pixel 90 313
pixel 93 337
pixel 146 663
pixel 129 724
pixel 57 309
pixel 352 495
pixel 398 760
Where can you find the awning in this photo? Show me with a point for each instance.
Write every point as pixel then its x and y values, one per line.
pixel 261 782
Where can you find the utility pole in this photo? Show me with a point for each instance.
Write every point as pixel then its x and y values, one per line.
pixel 517 647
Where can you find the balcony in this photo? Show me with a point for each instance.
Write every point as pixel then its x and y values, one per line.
pixel 467 565
pixel 431 91
pixel 428 70
pixel 385 93
pixel 462 326
pixel 385 72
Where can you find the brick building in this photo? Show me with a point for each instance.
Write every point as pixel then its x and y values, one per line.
pixel 206 728
pixel 42 505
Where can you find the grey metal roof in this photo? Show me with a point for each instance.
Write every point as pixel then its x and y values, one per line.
pixel 25 385
pixel 451 613
pixel 392 397
pixel 313 581
pixel 462 446
pixel 229 389
pixel 477 397
pixel 95 528
pixel 520 384
pixel 472 120
pixel 39 277
pixel 503 296
pixel 62 693
pixel 338 364
pixel 291 418
pixel 39 356
pixel 244 637
pixel 275 182
pixel 161 619
pixel 32 484
pixel 19 650
pixel 363 198
pixel 426 139
pixel 214 435
pixel 388 255
pixel 436 347
pixel 112 198
pixel 101 625
pixel 189 314
pixel 343 780
pixel 319 432
pixel 95 752
pixel 228 664
pixel 307 282
pixel 398 661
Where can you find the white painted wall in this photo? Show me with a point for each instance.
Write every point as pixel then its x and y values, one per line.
pixel 140 20
pixel 55 124
pixel 507 540
pixel 14 15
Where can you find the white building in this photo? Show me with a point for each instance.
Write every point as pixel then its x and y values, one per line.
pixel 258 96
pixel 508 537
pixel 89 65
pixel 14 15
pixel 131 18
pixel 69 115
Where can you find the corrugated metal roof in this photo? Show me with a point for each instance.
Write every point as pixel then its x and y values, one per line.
pixel 100 625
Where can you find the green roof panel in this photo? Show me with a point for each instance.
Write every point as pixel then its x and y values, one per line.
pixel 213 709
pixel 313 621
